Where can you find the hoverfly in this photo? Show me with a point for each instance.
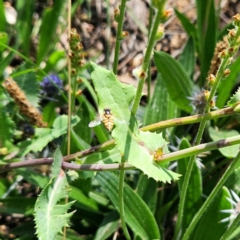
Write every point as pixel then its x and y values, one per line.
pixel 107 119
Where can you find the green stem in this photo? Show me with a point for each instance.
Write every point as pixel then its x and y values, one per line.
pixel 198 139
pixel 211 197
pixel 111 167
pixel 121 200
pixel 232 227
pixel 119 35
pixel 146 61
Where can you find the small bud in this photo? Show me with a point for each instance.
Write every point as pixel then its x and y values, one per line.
pixel 231 34
pixel 157 155
pixel 79 80
pixel 166 15
pixel 232 50
pixel 74 71
pixel 78 92
pixel 116 14
pixel 160 32
pixel 236 20
pixel 81 63
pixel 211 80
pixel 124 35
pixel 223 54
pixel 226 72
pixel 206 94
pixel 212 104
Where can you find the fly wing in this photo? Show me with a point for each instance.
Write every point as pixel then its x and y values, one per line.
pixel 95 122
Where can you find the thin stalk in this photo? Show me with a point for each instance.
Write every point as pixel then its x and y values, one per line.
pixel 69 100
pixel 119 35
pixel 231 228
pixel 219 77
pixel 146 61
pixel 111 167
pixel 121 200
pixel 149 67
pixel 210 198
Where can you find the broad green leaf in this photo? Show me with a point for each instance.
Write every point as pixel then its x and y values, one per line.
pixel 193 198
pixel 45 135
pixel 187 57
pixel 230 151
pixel 51 217
pixel 135 146
pixel 17 205
pixel 161 107
pixel 207 34
pixel 137 214
pixel 226 85
pixel 178 84
pixel 213 229
pixel 109 225
pixel 147 190
pixel 48 29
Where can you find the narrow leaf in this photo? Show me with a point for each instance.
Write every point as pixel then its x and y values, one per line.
pixel 178 84
pixel 138 216
pixel 194 190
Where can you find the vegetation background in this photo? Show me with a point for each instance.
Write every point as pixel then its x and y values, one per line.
pixel 34 117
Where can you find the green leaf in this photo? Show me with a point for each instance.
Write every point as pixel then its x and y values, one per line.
pixel 136 147
pixel 108 226
pixel 45 135
pixel 137 214
pixel 235 99
pixel 17 205
pixel 7 128
pixel 25 10
pixel 3 39
pixel 178 84
pixel 207 34
pixel 230 151
pixel 213 229
pixel 51 217
pixel 226 86
pixel 33 177
pixel 48 29
pixel 2 17
pixel 187 57
pixel 187 25
pixel 193 198
pixel 161 107
pixel 147 190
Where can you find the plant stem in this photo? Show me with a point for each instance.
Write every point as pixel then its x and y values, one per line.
pixel 119 35
pixel 146 61
pixel 219 77
pixel 211 197
pixel 111 167
pixel 121 200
